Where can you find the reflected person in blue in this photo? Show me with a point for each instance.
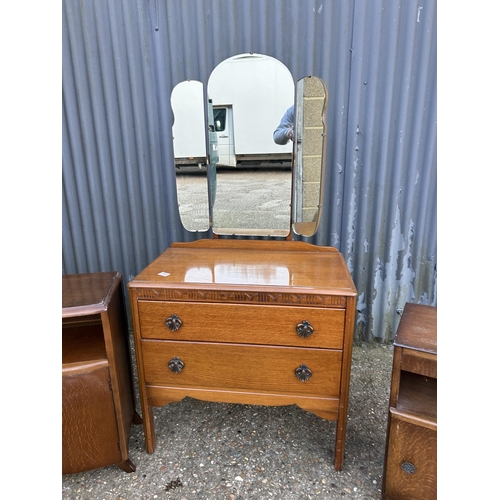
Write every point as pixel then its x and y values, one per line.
pixel 284 132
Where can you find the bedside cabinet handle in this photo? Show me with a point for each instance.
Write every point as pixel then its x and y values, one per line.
pixel 408 467
pixel 304 329
pixel 176 365
pixel 173 322
pixel 303 373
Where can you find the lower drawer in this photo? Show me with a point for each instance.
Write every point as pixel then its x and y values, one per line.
pixel 411 461
pixel 242 367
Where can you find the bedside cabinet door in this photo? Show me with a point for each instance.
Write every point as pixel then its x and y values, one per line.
pixel 411 461
pixel 89 431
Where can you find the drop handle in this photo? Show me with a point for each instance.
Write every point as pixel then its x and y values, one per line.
pixel 304 329
pixel 173 322
pixel 303 373
pixel 176 365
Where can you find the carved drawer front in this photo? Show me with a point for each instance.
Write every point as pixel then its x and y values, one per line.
pixel 248 368
pixel 268 325
pixel 411 466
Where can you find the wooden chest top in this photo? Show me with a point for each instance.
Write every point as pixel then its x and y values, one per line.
pixel 249 265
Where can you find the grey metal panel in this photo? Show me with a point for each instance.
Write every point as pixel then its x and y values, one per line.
pixel 389 226
pixel 121 60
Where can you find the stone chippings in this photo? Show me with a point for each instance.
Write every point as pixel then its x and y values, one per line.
pixel 239 452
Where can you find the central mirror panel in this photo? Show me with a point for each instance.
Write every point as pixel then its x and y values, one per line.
pixel 250 93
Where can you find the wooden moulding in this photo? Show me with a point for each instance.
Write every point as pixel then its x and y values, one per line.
pixel 326 408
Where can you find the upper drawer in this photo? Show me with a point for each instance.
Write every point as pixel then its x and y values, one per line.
pixel 268 325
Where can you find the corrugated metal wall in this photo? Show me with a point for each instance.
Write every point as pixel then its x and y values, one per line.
pixel 121 60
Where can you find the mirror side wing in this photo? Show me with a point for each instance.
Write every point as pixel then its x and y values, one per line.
pixel 309 154
pixel 190 154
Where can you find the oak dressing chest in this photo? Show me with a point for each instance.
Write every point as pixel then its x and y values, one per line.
pixel 242 321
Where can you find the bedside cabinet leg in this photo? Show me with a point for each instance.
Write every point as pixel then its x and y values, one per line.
pixel 136 418
pixel 127 466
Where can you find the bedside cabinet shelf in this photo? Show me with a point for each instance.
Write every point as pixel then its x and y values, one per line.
pixel 410 470
pixel 417 396
pixel 83 343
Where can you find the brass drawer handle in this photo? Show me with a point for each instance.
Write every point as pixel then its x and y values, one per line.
pixel 176 365
pixel 173 322
pixel 303 373
pixel 304 329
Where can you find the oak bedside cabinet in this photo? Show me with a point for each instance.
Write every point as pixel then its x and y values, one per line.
pixel 98 404
pixel 245 321
pixel 411 452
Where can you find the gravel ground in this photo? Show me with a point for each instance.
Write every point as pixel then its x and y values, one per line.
pixel 226 451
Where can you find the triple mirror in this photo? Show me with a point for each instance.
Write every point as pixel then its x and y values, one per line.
pixel 249 155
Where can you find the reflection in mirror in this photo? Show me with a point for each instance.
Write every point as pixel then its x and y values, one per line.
pixel 262 274
pixel 199 275
pixel 250 93
pixel 310 141
pixel 190 152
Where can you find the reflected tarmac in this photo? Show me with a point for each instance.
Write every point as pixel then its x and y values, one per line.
pixel 252 198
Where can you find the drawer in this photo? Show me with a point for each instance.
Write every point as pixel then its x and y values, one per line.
pixel 411 462
pixel 242 367
pixel 236 323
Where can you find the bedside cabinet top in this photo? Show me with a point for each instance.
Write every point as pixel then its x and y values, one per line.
pixel 90 293
pixel 418 328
